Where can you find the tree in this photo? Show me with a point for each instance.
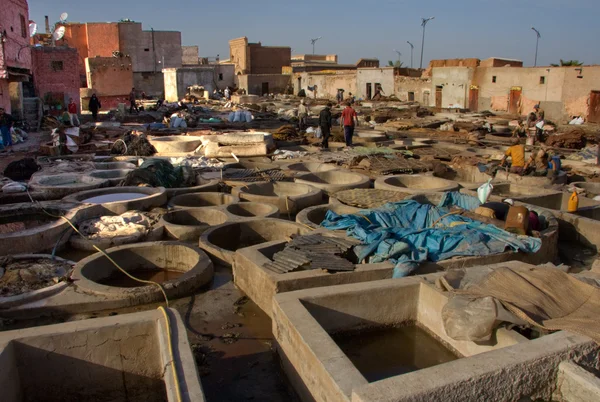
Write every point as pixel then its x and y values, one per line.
pixel 568 63
pixel 396 63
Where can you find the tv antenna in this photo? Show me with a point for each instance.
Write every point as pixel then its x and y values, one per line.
pixel 313 41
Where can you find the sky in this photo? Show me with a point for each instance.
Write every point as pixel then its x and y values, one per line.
pixel 354 29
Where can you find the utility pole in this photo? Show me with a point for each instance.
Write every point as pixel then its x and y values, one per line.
pixel 412 48
pixel 424 22
pixel 313 41
pixel 399 55
pixel 537 42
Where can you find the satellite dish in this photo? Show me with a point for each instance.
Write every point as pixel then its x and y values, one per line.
pixel 63 17
pixel 32 29
pixel 59 33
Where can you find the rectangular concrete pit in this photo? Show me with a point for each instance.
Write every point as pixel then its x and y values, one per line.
pixel 121 358
pixel 261 284
pixel 513 366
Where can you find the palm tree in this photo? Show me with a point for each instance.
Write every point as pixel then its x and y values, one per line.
pixel 396 63
pixel 568 63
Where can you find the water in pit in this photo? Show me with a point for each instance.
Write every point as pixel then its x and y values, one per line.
pixel 19 223
pixel 385 352
pixel 120 280
pixel 114 197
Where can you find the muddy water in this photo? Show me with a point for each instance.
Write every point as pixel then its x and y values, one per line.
pixel 118 279
pixel 101 199
pixel 381 353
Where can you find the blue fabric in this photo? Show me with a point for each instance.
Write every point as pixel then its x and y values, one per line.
pixel 556 160
pixel 402 233
pixel 460 200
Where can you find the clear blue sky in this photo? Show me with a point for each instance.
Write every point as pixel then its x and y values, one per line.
pixel 355 29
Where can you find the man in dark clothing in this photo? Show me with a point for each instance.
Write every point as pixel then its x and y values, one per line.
pixel 94 106
pixel 133 105
pixel 325 123
pixel 6 122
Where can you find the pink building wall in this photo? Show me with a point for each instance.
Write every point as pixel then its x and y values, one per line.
pixel 15 54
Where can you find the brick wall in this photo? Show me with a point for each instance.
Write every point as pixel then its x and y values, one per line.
pixel 269 60
pixel 56 70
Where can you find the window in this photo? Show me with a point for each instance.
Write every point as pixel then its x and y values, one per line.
pixel 57 65
pixel 494 79
pixel 542 80
pixel 411 96
pixel 220 76
pixel 23 26
pixel 146 50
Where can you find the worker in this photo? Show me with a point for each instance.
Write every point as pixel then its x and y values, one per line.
pixel 520 130
pixel 227 93
pixel 6 122
pixel 73 117
pixel 94 106
pixel 340 96
pixel 554 165
pixel 303 113
pixel 378 93
pixel 517 155
pixel 539 162
pixel 351 98
pixel 348 121
pixel 325 123
pixel 539 121
pixel 132 102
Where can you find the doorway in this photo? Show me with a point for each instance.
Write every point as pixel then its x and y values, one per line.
pixel 514 100
pixel 438 96
pixel 299 85
pixel 265 88
pixel 369 91
pixel 411 96
pixel 594 111
pixel 474 98
pixel 426 98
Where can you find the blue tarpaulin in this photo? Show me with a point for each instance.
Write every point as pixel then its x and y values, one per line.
pixel 403 233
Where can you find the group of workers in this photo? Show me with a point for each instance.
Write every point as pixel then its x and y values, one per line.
pixel 534 119
pixel 544 162
pixel 348 121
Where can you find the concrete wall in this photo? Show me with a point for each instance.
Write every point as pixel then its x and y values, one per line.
pixel 153 84
pixel 383 76
pixel 327 83
pixel 148 49
pixel 47 76
pixel 494 95
pixel 403 85
pixel 455 83
pixel 178 80
pixel 190 55
pixel 110 78
pixel 576 91
pixel 239 55
pixel 252 83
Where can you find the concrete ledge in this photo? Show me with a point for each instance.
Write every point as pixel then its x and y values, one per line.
pixel 415 184
pixel 576 384
pixel 211 186
pixel 125 357
pixel 505 369
pixel 152 197
pixel 221 242
pixel 289 198
pixel 334 180
pixel 202 199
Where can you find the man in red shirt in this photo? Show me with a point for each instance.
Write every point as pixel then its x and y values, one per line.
pixel 349 120
pixel 72 109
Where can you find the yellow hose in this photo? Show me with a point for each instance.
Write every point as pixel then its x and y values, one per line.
pixel 161 308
